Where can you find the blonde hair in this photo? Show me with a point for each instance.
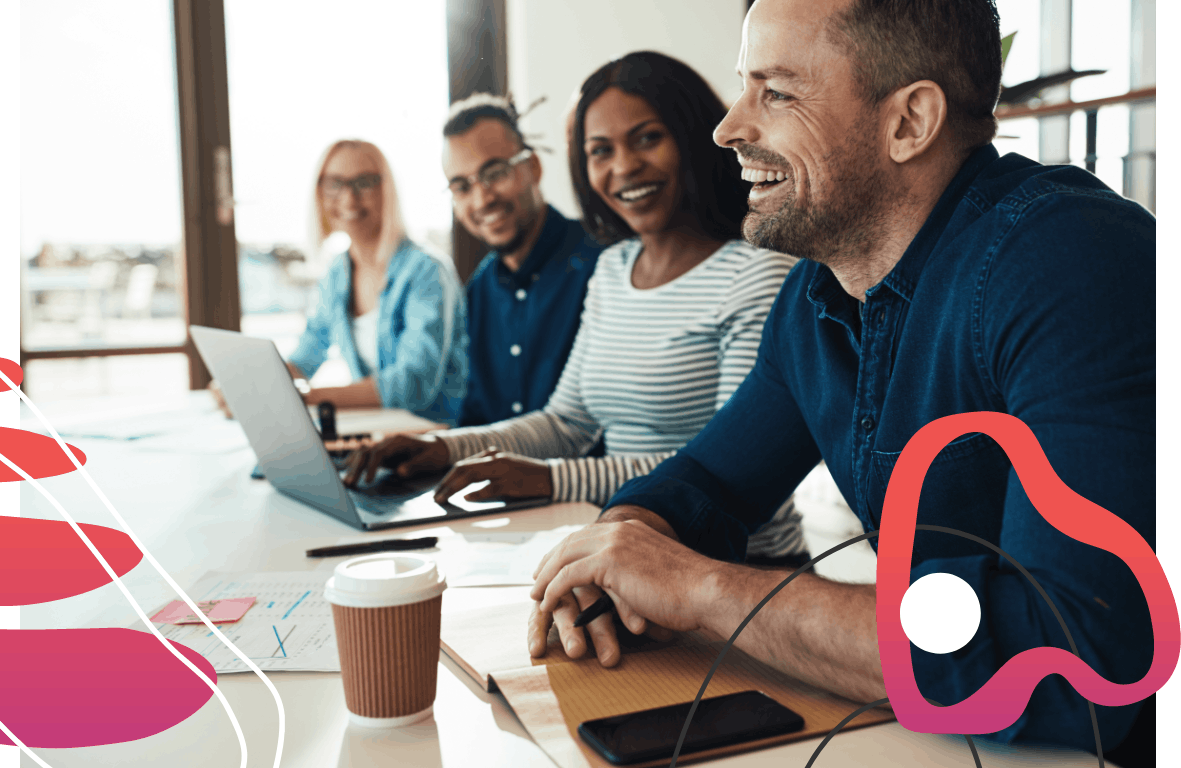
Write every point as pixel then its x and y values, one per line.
pixel 392 227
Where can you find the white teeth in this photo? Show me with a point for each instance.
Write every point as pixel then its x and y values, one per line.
pixel 759 176
pixel 632 195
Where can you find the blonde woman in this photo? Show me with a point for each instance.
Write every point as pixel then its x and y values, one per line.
pixel 396 312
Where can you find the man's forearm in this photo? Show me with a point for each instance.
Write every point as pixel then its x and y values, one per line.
pixel 819 631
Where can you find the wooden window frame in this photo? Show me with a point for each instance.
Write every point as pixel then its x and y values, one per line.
pixel 477 61
pixel 209 251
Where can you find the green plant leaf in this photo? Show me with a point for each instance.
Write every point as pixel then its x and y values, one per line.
pixel 1006 45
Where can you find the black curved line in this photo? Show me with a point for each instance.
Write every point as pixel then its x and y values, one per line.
pixel 848 542
pixel 1049 602
pixel 975 754
pixel 806 566
pixel 841 725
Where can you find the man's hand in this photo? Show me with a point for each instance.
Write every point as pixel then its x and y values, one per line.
pixel 655 582
pixel 406 455
pixel 215 390
pixel 512 477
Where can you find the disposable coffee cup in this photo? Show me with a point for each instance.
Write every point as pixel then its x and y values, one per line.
pixel 386 609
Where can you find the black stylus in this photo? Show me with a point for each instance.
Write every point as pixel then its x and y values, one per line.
pixel 385 545
pixel 603 605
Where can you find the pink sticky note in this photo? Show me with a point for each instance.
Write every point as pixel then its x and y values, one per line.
pixel 218 611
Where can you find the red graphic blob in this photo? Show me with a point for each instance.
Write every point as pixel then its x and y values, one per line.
pixel 12 371
pixel 44 560
pixel 86 687
pixel 39 455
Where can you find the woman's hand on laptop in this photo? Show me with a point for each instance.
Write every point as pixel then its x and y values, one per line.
pixel 511 476
pixel 406 455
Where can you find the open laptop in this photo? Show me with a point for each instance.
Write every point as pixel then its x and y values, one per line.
pixel 259 391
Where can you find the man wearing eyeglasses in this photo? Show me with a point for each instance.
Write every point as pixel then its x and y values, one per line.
pixel 525 298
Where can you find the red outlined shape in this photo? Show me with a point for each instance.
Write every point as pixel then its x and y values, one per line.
pixel 1001 700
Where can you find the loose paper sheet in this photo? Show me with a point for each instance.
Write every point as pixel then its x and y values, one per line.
pixel 289 628
pixel 478 559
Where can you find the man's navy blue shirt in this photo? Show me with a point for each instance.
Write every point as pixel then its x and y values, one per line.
pixel 1030 290
pixel 522 324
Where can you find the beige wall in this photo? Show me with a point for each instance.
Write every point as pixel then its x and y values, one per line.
pixel 553 46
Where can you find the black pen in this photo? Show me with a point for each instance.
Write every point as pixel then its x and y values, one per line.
pixel 603 605
pixel 385 545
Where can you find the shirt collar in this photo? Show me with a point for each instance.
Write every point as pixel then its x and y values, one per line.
pixel 553 232
pixel 904 277
pixel 345 284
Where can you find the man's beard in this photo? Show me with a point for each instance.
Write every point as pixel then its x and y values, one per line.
pixel 838 230
pixel 518 238
pixel 525 226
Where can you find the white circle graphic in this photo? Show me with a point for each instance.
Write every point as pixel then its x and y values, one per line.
pixel 940 613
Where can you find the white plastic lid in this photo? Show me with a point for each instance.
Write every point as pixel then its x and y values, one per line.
pixel 379 581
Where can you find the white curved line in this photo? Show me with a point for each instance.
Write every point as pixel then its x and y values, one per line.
pixel 20 743
pixel 118 582
pixel 148 556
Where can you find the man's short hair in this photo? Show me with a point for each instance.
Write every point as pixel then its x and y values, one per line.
pixel 464 114
pixel 955 43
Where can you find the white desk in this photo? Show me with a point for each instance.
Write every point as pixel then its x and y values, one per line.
pixel 200 511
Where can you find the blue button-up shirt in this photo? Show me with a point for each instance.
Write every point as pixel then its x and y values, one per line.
pixel 1030 291
pixel 522 324
pixel 421 334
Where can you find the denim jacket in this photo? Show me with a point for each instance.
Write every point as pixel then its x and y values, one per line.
pixel 1029 290
pixel 421 333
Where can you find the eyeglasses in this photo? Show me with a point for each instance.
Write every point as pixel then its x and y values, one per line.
pixel 333 186
pixel 489 176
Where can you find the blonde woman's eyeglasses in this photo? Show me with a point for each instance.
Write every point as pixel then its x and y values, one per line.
pixel 334 186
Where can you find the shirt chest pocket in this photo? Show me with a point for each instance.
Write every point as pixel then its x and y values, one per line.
pixel 964 487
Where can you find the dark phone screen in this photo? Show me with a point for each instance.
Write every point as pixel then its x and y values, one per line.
pixel 718 722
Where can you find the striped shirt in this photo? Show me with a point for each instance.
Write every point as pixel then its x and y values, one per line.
pixel 648 370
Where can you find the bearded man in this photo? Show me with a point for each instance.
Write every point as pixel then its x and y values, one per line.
pixel 941 279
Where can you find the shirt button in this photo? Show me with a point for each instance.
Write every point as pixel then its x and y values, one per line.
pixel 880 317
pixel 521 294
pixel 515 350
pixel 517 407
pixel 867 423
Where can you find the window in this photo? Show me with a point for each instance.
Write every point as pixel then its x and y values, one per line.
pixel 301 76
pixel 100 187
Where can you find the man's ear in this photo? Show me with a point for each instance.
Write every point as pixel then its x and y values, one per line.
pixel 916 116
pixel 535 167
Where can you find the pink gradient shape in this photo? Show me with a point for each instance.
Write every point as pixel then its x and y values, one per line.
pixel 38 455
pixel 44 560
pixel 87 687
pixel 12 371
pixel 1001 700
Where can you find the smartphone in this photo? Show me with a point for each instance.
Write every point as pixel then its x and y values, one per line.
pixel 718 722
